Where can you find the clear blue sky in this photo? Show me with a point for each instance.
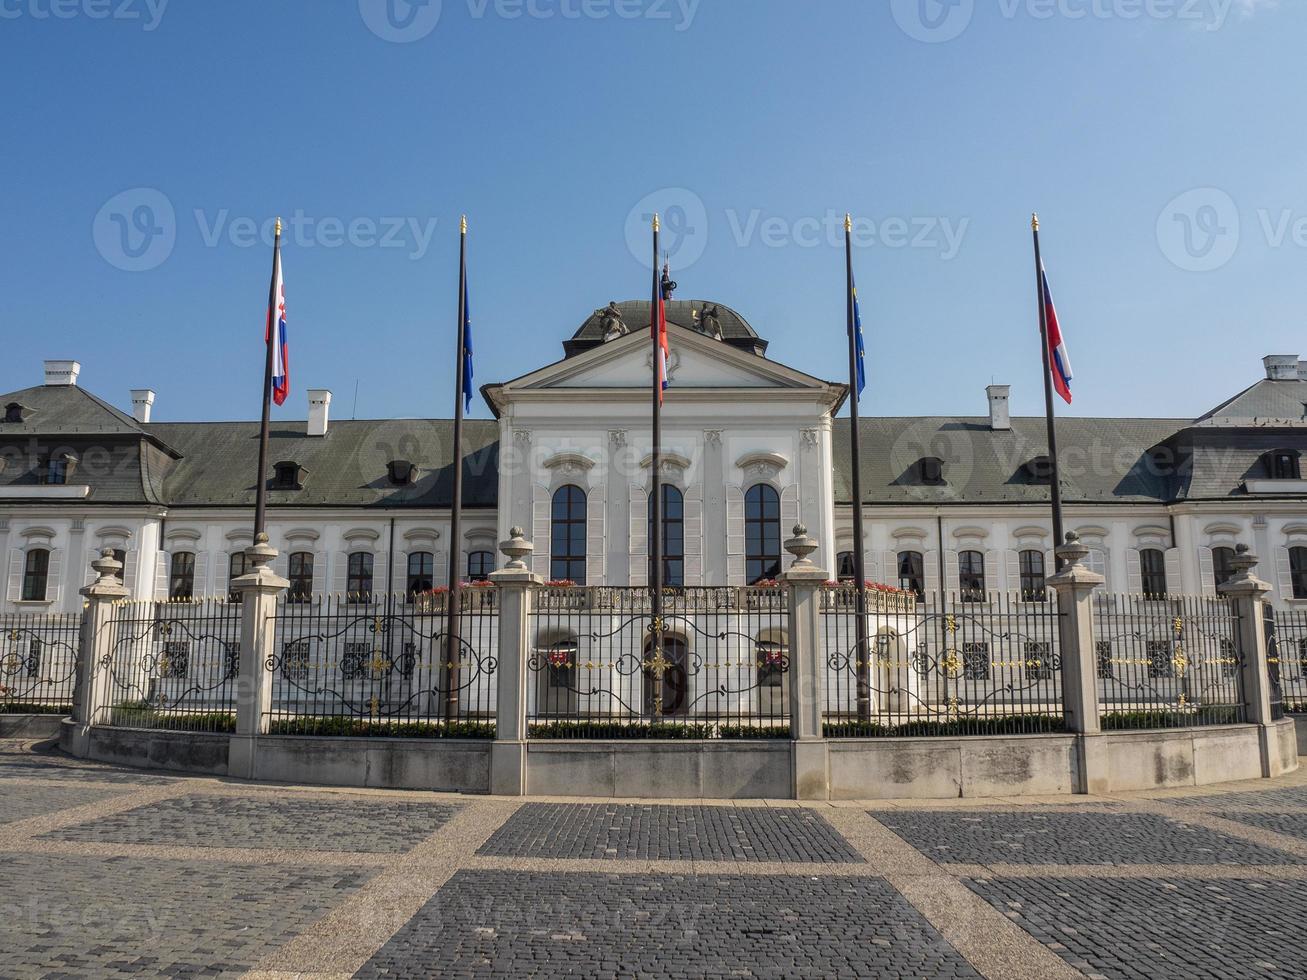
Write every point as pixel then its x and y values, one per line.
pixel 548 130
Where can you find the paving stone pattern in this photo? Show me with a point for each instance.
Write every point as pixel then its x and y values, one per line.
pixel 299 822
pixel 1061 837
pixel 669 833
pixel 55 772
pixel 584 925
pixel 1151 929
pixel 1292 797
pixel 1292 823
pixel 22 801
pixel 72 917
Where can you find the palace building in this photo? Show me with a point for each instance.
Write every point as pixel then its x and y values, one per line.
pixel 751 447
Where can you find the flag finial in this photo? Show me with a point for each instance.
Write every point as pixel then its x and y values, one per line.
pixel 279 227
pixel 848 221
pixel 655 221
pixel 1034 222
pixel 462 225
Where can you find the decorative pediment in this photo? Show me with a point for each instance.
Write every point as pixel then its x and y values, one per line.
pixel 762 465
pixel 569 464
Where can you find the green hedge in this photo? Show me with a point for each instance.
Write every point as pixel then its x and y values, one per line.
pixel 1120 721
pixel 27 708
pixel 1012 725
pixel 136 715
pixel 364 728
pixel 619 730
pixel 754 731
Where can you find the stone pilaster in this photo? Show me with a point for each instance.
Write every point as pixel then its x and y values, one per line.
pixel 93 694
pixel 808 755
pixel 1257 691
pixel 514 583
pixel 259 590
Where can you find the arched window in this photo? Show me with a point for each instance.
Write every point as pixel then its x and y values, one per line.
pixel 845 567
pixel 971 576
pixel 181 576
pixel 1152 570
pixel 358 583
pixel 567 536
pixel 479 566
pixel 673 537
pixel 1298 572
pixel 36 575
pixel 1032 576
pixel 421 573
pixel 762 533
pixel 912 573
pixel 237 566
pixel 301 576
pixel 1222 567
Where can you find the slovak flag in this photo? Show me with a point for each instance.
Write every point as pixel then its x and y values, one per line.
pixel 277 322
pixel 1059 361
pixel 658 331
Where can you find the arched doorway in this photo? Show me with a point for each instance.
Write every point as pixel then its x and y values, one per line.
pixel 674 683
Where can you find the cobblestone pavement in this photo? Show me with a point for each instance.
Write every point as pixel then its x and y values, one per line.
pixel 107 872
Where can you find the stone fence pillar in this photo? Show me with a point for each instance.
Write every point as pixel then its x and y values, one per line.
pixel 93 694
pixel 1075 586
pixel 808 753
pixel 259 589
pixel 514 584
pixel 1248 595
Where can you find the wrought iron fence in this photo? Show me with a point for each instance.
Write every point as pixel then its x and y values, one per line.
pixel 719 667
pixel 958 664
pixel 38 662
pixel 386 666
pixel 174 665
pixel 1164 663
pixel 1290 656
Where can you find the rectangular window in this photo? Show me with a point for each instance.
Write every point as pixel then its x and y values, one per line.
pixel 975 661
pixel 176 659
pixel 301 577
pixel 295 660
pixel 181 576
pixel 36 575
pixel 1152 570
pixel 971 576
pixel 1160 659
pixel 1039 661
pixel 356 662
pixel 1032 576
pixel 358 585
pixel 1298 572
pixel 1222 565
pixel 912 573
pixel 1103 656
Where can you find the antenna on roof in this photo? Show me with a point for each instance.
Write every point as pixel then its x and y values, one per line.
pixel 355 413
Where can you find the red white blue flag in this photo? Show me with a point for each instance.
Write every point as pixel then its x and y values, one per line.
pixel 658 326
pixel 276 332
pixel 1059 361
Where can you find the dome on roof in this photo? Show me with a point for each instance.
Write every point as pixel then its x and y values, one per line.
pixel 701 316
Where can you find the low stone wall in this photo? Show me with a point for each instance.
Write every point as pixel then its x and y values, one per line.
pixel 30 726
pixel 1301 722
pixel 854 769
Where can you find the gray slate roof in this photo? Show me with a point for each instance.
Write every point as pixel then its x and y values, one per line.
pixel 736 330
pixel 347 467
pixel 1103 460
pixel 1266 401
pixel 67 410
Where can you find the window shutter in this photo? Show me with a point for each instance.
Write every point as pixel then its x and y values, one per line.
pixel 1284 573
pixel 639 537
pixel 130 567
pixel 789 518
pixel 340 574
pixel 953 571
pixel 222 574
pixel 281 564
pixel 54 584
pixel 596 538
pixel 1098 562
pixel 735 567
pixel 991 570
pixel 1174 581
pixel 162 569
pixel 889 568
pixel 320 561
pixel 398 571
pixel 16 558
pixel 1134 572
pixel 870 565
pixel 1013 583
pixel 694 536
pixel 380 572
pixel 1206 571
pixel 202 575
pixel 540 507
pixel 930 559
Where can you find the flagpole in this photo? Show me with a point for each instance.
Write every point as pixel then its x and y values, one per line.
pixel 656 504
pixel 1055 481
pixel 455 519
pixel 261 484
pixel 862 652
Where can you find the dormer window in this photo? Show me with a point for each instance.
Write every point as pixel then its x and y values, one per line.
pixel 1282 464
pixel 930 471
pixel 402 472
pixel 56 469
pixel 287 476
pixel 1039 470
pixel 13 413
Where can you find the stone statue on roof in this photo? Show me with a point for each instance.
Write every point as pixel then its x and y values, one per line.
pixel 711 323
pixel 611 318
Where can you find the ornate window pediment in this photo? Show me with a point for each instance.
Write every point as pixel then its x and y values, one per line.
pixel 569 464
pixel 762 465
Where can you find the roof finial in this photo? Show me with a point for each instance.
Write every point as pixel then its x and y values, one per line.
pixel 462 225
pixel 279 227
pixel 655 223
pixel 1034 222
pixel 848 221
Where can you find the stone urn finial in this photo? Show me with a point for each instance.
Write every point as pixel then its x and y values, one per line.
pixel 801 546
pixel 1072 553
pixel 517 547
pixel 260 553
pixel 108 568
